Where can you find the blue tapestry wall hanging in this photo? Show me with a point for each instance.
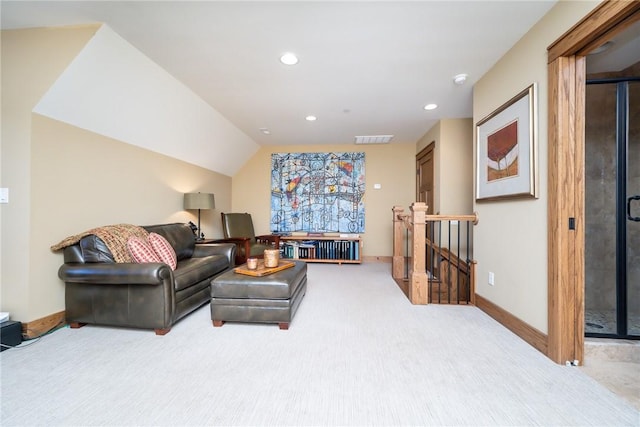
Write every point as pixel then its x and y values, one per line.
pixel 317 192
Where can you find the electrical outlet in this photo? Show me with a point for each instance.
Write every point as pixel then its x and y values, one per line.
pixel 492 278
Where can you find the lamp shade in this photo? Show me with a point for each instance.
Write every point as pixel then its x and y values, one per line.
pixel 199 201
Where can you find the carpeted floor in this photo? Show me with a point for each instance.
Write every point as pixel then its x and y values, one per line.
pixel 357 353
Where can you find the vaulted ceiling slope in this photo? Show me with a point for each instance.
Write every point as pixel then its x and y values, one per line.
pixel 112 89
pixel 365 68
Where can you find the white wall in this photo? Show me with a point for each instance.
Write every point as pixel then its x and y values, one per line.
pixel 511 237
pixel 112 89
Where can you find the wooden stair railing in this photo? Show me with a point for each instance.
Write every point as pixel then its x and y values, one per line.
pixel 426 271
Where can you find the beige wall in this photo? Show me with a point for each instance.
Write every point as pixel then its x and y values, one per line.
pixel 81 180
pixel 390 165
pixel 31 61
pixel 453 178
pixel 453 164
pixel 64 180
pixel 456 172
pixel 433 135
pixel 511 237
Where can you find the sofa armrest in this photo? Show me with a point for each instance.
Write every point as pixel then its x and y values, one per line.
pixel 152 273
pixel 226 249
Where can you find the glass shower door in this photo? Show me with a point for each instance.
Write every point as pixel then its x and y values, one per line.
pixel 601 171
pixel 633 210
pixel 612 208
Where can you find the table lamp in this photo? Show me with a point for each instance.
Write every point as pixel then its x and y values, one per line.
pixel 199 201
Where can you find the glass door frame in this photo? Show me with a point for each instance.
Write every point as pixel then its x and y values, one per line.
pixel 622 143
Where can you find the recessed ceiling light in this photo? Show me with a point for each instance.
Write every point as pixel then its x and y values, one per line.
pixel 460 79
pixel 602 48
pixel 431 106
pixel 311 118
pixel 265 131
pixel 289 59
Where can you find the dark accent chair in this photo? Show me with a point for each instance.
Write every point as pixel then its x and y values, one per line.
pixel 238 229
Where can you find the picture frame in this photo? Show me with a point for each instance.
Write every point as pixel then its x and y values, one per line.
pixel 506 150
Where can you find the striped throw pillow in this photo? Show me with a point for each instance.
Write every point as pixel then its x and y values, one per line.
pixel 163 250
pixel 141 250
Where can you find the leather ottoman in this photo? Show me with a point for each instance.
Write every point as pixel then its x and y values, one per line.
pixel 273 298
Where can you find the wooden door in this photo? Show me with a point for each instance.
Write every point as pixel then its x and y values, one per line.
pixel 425 177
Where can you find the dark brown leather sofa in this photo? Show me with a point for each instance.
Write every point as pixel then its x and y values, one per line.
pixel 101 291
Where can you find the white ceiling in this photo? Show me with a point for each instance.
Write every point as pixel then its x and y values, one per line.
pixel 623 51
pixel 366 68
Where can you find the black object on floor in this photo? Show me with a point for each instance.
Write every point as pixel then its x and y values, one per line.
pixel 10 334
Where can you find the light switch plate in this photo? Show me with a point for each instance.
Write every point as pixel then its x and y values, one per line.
pixel 4 195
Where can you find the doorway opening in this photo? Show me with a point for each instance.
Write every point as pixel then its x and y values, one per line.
pixel 425 173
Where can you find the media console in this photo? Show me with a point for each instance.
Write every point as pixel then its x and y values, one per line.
pixel 327 249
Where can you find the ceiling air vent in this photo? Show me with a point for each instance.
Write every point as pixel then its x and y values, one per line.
pixel 373 139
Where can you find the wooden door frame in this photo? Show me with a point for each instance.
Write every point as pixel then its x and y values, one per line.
pixel 429 149
pixel 566 139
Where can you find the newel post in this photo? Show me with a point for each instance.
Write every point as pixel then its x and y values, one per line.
pixel 397 261
pixel 418 280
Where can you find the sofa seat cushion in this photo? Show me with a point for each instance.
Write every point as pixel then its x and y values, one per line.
pixel 280 285
pixel 193 270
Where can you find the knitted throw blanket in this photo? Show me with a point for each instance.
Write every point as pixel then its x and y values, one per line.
pixel 114 237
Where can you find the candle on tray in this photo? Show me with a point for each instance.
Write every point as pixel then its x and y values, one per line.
pixel 271 257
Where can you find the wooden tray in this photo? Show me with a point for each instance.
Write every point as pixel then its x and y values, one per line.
pixel 262 270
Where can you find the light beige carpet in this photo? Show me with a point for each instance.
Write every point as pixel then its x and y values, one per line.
pixel 357 353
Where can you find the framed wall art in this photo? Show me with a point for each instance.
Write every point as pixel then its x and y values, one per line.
pixel 317 192
pixel 506 150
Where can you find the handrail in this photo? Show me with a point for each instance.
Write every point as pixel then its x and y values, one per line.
pixel 474 218
pixel 421 242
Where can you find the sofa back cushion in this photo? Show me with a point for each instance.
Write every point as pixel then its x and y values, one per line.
pixel 95 250
pixel 179 236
